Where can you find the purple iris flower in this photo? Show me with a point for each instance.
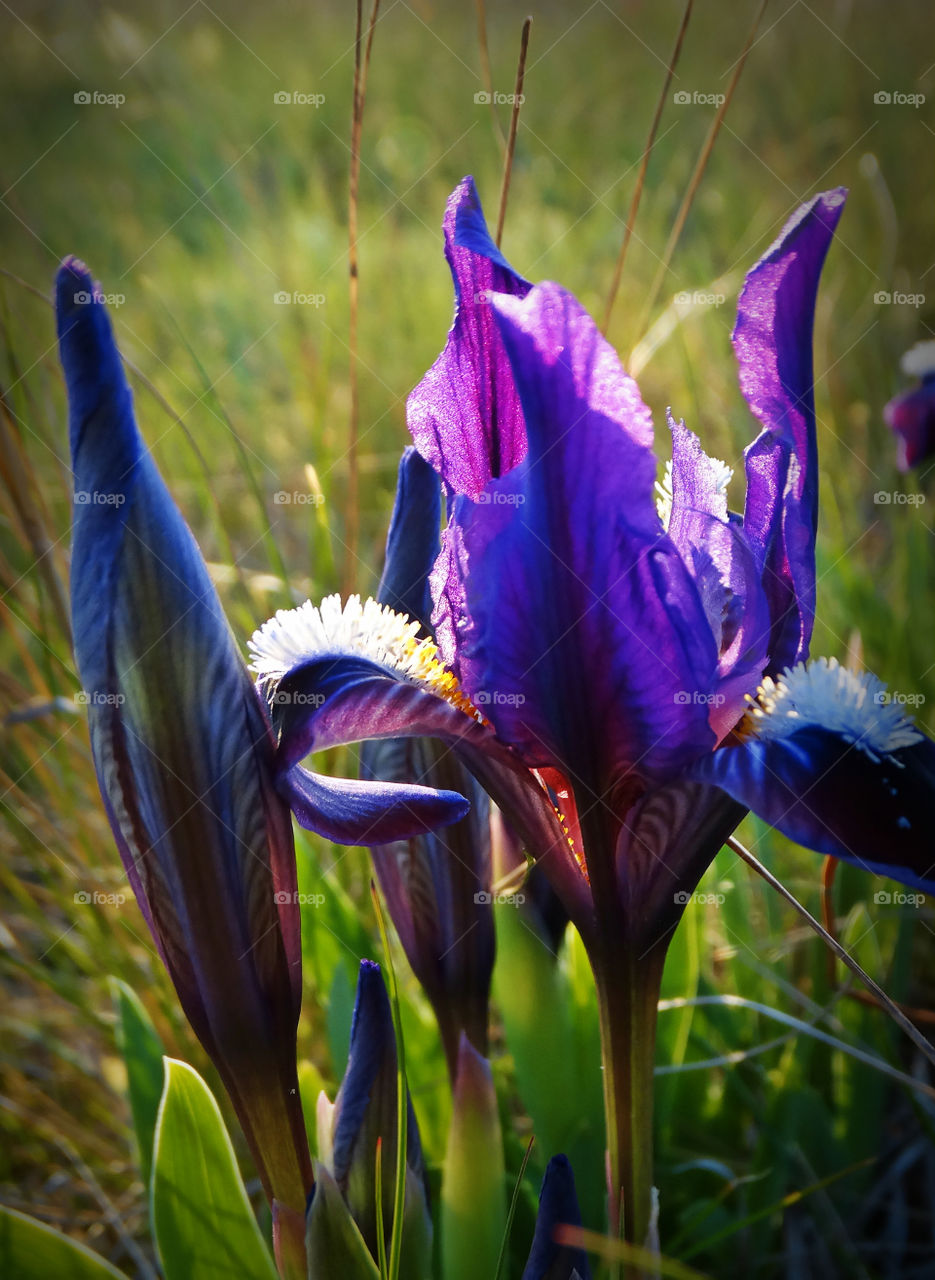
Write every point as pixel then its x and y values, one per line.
pixel 625 678
pixel 596 654
pixel 184 755
pixel 911 414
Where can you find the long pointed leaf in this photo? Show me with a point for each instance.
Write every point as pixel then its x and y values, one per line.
pixel 201 1217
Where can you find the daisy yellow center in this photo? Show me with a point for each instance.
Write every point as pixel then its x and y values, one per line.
pixel 366 629
pixel 823 694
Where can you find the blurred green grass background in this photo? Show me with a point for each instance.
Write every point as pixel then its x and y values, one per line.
pixel 199 199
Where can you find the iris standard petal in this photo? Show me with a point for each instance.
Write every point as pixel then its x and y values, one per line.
pixel 412 544
pixel 183 752
pixel 587 638
pixel 465 415
pixel 717 553
pixel 558 1206
pixel 773 344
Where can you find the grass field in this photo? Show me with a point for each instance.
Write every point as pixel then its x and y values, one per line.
pixel 196 201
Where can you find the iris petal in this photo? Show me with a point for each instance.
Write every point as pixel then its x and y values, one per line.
pixel 911 418
pixel 828 794
pixel 465 415
pixel 587 636
pixel 558 1206
pixel 183 751
pixel 412 543
pixel 716 550
pixel 351 812
pixel 773 344
pixel 366 1110
pixel 337 699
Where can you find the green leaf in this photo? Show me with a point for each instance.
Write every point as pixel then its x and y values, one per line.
pixel 550 1018
pixel 334 1243
pixel 29 1250
pixel 338 1019
pixel 473 1201
pixel 201 1217
pixel 142 1052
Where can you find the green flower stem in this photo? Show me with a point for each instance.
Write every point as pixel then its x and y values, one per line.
pixel 628 992
pixel 627 971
